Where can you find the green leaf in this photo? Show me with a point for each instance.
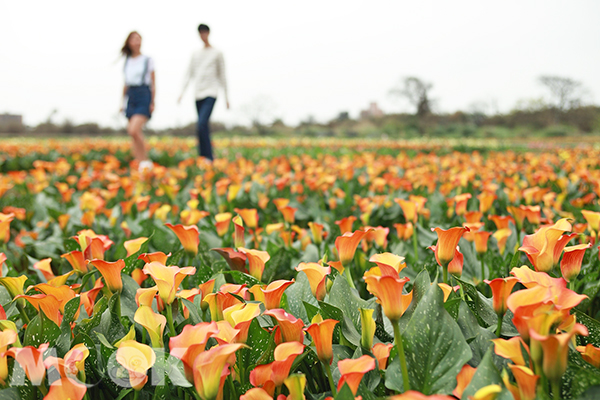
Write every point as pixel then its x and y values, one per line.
pixel 103 340
pixel 347 328
pixel 297 294
pixel 593 328
pixel 193 310
pixel 63 343
pixel 486 374
pixel 9 394
pixel 311 310
pixel 435 347
pixel 128 304
pixel 347 300
pixel 41 329
pixel 241 278
pixel 345 393
pixel 580 375
pixel 259 341
pixel 480 305
pixel 124 393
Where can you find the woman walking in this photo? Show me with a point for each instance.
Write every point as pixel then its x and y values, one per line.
pixel 140 91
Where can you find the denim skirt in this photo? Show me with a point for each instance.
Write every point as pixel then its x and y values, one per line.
pixel 139 98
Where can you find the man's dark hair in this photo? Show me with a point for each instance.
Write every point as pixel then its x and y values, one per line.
pixel 203 28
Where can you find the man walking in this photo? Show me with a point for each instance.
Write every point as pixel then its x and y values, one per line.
pixel 207 70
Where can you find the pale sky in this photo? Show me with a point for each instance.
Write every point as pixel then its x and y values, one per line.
pixel 302 58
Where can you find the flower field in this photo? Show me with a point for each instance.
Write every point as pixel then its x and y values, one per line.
pixel 299 269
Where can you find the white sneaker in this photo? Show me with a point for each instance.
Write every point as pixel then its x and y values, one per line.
pixel 145 165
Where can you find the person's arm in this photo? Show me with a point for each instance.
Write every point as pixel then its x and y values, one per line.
pixel 122 108
pixel 152 91
pixel 221 76
pixel 187 78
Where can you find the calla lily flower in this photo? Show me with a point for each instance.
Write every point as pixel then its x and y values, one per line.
pixel 48 304
pixel 137 359
pixel 345 224
pixel 317 232
pixel 388 290
pixel 291 327
pixel 256 261
pixel 481 241
pixel 13 285
pixel 5 220
pixel 7 337
pixel 501 237
pixel 295 384
pixel 570 265
pixel 66 388
pixel 346 245
pixel 404 231
pixel 409 208
pixel 510 349
pixel 153 322
pixel 77 261
pixel 555 350
pixel 463 379
pixel 222 223
pixel 271 376
pixel 111 272
pixel 501 289
pixel 381 351
pixel 187 235
pixel 45 268
pixel 157 256
pixel 490 392
pixel 190 342
pixel 134 245
pixel 249 215
pixel 446 244
pixel 368 327
pixel 317 278
pixel 167 279
pixel 321 332
pixel 256 393
pixel 526 381
pixel 544 247
pixel 235 259
pixel 211 367
pixel 31 360
pixel 390 260
pixel 353 370
pixel 273 292
pixel 240 316
pixel 590 353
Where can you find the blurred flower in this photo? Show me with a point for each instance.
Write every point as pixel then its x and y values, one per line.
pixel 187 235
pixel 137 359
pixel 212 367
pixel 167 279
pixel 570 265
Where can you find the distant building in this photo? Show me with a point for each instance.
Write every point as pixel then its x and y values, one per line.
pixel 372 111
pixel 7 120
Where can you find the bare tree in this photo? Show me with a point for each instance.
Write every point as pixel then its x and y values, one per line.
pixel 567 93
pixel 258 111
pixel 416 92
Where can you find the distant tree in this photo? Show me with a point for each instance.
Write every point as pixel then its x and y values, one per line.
pixel 416 92
pixel 566 92
pixel 258 111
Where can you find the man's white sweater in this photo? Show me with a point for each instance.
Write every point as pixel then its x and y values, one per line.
pixel 207 71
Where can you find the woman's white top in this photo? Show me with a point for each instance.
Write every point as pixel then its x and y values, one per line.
pixel 134 69
pixel 207 71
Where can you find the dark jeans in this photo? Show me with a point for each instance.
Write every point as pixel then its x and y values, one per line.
pixel 204 108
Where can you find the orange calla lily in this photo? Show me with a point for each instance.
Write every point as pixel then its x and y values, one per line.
pixel 317 278
pixel 31 360
pixel 390 260
pixel 45 268
pixel 291 327
pixel 388 290
pixel 295 384
pixel 463 379
pixel 7 337
pixel 481 241
pixel 157 256
pixel 222 223
pixel 321 332
pixel 501 289
pixel 187 235
pixel 543 248
pixel 46 303
pixel 272 375
pixel 111 272
pixel 66 388
pixel 256 261
pixel 526 381
pixel 191 342
pixel 409 208
pixel 590 353
pixel 256 393
pixel 555 350
pixel 77 261
pixel 352 371
pixel 211 367
pixel 404 231
pixel 346 245
pixel 570 265
pixel 345 224
pixel 249 215
pixel 273 292
pixel 510 349
pixel 134 245
pixel 446 244
pixel 381 351
pixel 501 237
pixel 153 322
pixel 235 259
pixel 240 316
pixel 137 359
pixel 167 279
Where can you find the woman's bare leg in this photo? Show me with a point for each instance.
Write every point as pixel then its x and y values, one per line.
pixel 134 129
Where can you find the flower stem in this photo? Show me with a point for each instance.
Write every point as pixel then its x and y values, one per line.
pixel 482 269
pixel 21 309
pixel 330 377
pixel 400 348
pixel 136 394
pixel 349 276
pixel 415 244
pixel 445 274
pixel 556 395
pixel 499 327
pixel 169 308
